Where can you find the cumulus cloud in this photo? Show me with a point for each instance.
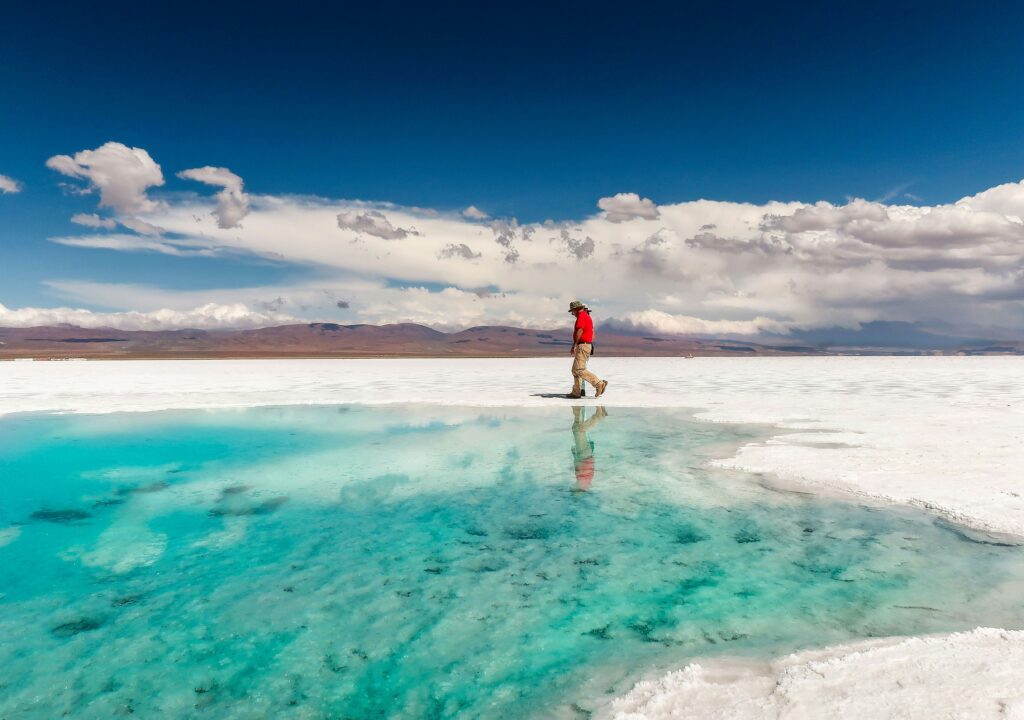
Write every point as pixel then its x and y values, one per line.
pixel 762 244
pixel 372 222
pixel 318 300
pixel 210 316
pixel 505 234
pixel 475 213
pixel 10 185
pixel 651 257
pixel 505 231
pixel 950 226
pixel 581 249
pixel 273 305
pixel 120 174
pixel 657 321
pixel 94 221
pixel 703 267
pixel 1006 199
pixel 232 202
pixel 462 250
pixel 628 206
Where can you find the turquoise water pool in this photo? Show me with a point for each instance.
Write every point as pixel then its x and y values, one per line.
pixel 423 562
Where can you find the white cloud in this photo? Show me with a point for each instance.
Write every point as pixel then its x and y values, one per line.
pixel 1006 199
pixel 703 267
pixel 94 221
pixel 657 321
pixel 373 223
pixel 959 225
pixel 205 317
pixel 475 213
pixel 121 174
pixel 579 248
pixel 366 301
pixel 455 308
pixel 9 185
pixel 461 250
pixel 232 202
pixel 628 206
pixel 136 243
pixel 506 232
pixel 140 226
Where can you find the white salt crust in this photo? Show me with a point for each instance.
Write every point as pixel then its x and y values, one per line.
pixel 970 676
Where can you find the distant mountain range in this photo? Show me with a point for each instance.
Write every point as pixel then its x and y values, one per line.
pixel 883 334
pixel 409 340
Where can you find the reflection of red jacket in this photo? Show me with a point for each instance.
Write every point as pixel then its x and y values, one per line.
pixel 585 472
pixel 583 322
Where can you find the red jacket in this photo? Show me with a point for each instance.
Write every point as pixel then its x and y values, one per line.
pixel 583 322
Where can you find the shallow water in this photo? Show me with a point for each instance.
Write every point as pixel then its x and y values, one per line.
pixel 424 562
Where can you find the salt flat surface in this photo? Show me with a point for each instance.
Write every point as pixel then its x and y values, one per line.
pixel 946 434
pixel 943 433
pixel 974 675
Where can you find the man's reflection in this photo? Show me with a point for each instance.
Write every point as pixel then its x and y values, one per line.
pixel 583 446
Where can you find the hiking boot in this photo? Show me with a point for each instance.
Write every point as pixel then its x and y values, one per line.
pixel 600 388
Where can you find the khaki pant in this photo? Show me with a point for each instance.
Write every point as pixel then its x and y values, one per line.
pixel 579 369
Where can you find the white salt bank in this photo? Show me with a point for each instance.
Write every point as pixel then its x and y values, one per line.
pixel 973 675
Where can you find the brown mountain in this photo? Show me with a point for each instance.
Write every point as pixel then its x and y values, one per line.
pixel 334 340
pixel 408 340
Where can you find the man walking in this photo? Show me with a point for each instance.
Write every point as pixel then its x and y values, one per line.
pixel 582 347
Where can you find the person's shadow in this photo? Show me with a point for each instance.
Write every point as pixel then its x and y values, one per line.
pixel 582 446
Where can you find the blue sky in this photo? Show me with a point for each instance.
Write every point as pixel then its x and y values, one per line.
pixel 531 111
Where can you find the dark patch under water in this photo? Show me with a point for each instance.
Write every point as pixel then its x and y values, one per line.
pixel 242 509
pixel 61 517
pixel 74 627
